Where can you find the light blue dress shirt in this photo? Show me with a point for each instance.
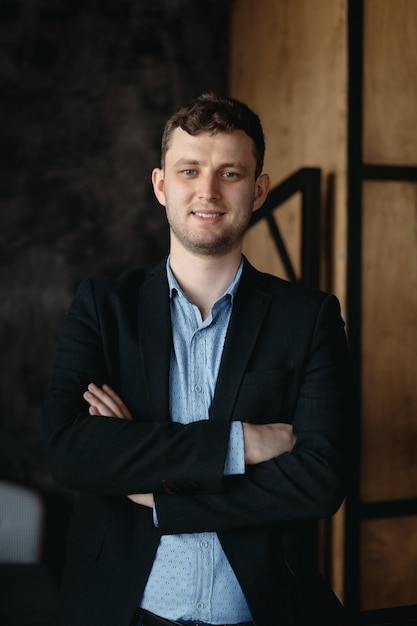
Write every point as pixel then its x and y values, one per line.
pixel 191 578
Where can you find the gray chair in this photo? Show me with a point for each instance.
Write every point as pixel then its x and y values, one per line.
pixel 28 590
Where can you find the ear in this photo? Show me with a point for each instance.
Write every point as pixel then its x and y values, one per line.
pixel 262 187
pixel 158 183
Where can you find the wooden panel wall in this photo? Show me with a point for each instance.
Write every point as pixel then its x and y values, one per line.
pixel 390 92
pixel 288 62
pixel 389 303
pixel 389 342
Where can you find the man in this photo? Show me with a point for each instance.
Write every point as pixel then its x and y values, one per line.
pixel 199 408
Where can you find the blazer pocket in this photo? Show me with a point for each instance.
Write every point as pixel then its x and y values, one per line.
pixel 263 397
pixel 84 539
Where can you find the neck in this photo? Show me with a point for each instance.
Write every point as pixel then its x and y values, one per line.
pixel 204 279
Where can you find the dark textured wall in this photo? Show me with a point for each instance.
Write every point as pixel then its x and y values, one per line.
pixel 85 89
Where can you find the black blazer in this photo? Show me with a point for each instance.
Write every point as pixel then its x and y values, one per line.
pixel 285 359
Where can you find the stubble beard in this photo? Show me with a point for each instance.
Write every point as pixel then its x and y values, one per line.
pixel 225 242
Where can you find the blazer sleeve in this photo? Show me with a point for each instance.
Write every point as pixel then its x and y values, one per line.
pixel 309 482
pixel 111 456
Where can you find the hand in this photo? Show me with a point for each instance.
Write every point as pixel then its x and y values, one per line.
pixel 105 401
pixel 145 499
pixel 266 441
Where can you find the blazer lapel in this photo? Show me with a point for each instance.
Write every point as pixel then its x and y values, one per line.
pixel 249 309
pixel 155 339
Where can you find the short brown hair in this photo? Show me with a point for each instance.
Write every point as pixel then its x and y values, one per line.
pixel 212 113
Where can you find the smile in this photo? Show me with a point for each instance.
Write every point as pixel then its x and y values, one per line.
pixel 207 215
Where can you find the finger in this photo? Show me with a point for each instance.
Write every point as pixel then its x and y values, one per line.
pixel 107 402
pixel 97 407
pixel 118 401
pixel 104 401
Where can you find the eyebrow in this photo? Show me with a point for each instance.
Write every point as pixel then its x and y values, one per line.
pixel 234 164
pixel 185 161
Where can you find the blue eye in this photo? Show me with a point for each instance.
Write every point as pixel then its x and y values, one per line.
pixel 229 174
pixel 188 172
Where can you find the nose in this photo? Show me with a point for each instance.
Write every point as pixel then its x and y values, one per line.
pixel 208 187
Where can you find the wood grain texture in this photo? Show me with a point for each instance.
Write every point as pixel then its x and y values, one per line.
pixel 389 87
pixel 389 342
pixel 388 562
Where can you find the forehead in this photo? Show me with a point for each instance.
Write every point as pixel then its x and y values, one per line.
pixel 223 146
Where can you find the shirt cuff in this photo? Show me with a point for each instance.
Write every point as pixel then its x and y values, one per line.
pixel 155 516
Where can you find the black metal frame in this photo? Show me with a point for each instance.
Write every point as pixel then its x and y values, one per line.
pixel 306 181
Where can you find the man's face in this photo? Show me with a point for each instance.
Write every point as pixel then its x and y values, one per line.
pixel 209 190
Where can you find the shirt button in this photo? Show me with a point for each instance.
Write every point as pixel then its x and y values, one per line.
pixel 200 606
pixel 198 388
pixel 198 334
pixel 203 543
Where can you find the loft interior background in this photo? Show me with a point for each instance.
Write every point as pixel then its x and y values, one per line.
pixel 85 90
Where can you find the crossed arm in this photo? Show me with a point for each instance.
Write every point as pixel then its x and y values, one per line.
pixel 262 442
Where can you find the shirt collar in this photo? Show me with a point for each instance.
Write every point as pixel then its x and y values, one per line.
pixel 175 288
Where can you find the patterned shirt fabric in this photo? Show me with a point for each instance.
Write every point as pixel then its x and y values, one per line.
pixel 191 578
